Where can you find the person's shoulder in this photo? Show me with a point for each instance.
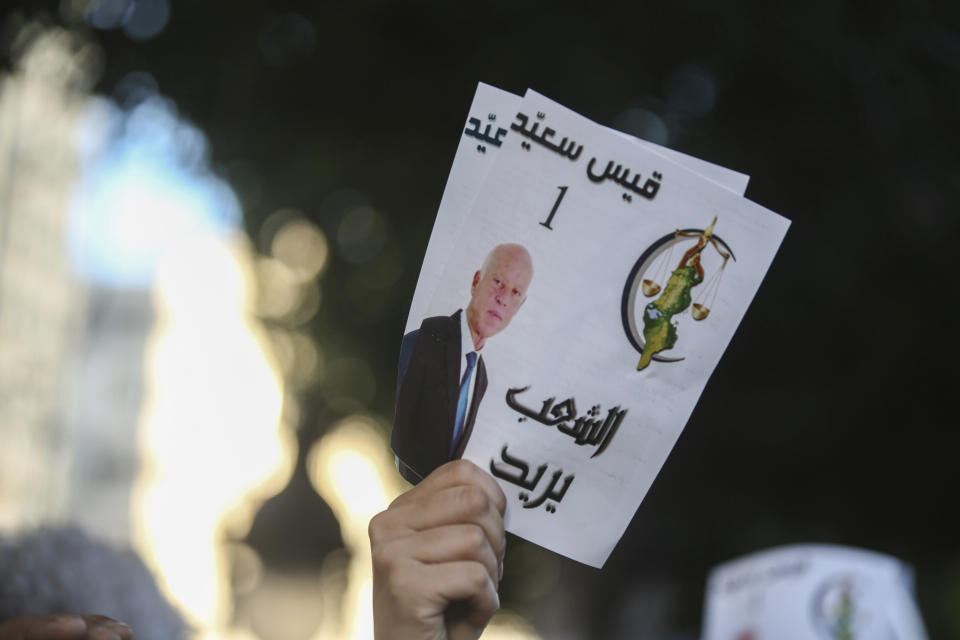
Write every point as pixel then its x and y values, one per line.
pixel 441 323
pixel 410 337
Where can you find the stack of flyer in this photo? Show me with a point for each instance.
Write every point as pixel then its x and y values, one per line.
pixel 579 288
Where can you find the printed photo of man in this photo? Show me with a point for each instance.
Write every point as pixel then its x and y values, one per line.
pixel 442 376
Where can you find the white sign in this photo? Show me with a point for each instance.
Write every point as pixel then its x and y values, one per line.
pixel 812 592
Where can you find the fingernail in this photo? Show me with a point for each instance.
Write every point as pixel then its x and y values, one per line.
pixel 69 620
pixel 501 570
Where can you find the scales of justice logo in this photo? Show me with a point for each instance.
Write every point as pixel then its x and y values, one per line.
pixel 674 287
pixel 837 609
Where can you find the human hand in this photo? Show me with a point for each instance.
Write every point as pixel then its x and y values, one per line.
pixel 63 626
pixel 438 557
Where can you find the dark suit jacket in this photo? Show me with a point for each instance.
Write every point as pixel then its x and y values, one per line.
pixel 428 386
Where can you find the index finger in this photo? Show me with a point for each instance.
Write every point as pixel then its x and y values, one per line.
pixel 452 474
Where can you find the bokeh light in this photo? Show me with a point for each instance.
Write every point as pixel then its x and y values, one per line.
pixel 146 187
pixel 643 123
pixel 350 468
pixel 146 19
pixel 690 90
pixel 42 107
pixel 205 355
pixel 302 246
pixel 279 292
pixel 361 234
pixel 139 19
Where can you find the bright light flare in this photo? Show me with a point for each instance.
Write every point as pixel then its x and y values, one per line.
pixel 210 442
pixel 352 470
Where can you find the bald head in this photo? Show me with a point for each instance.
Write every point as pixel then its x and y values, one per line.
pixel 498 290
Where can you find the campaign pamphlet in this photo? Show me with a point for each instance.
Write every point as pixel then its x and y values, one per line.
pixel 579 288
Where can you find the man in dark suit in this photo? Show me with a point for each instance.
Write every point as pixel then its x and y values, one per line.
pixel 442 376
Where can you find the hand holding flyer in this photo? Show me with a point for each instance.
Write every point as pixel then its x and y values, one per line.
pixel 633 272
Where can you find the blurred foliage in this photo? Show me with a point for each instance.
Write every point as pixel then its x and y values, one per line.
pixel 828 420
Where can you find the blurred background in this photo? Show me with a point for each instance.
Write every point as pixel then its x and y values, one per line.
pixel 212 218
